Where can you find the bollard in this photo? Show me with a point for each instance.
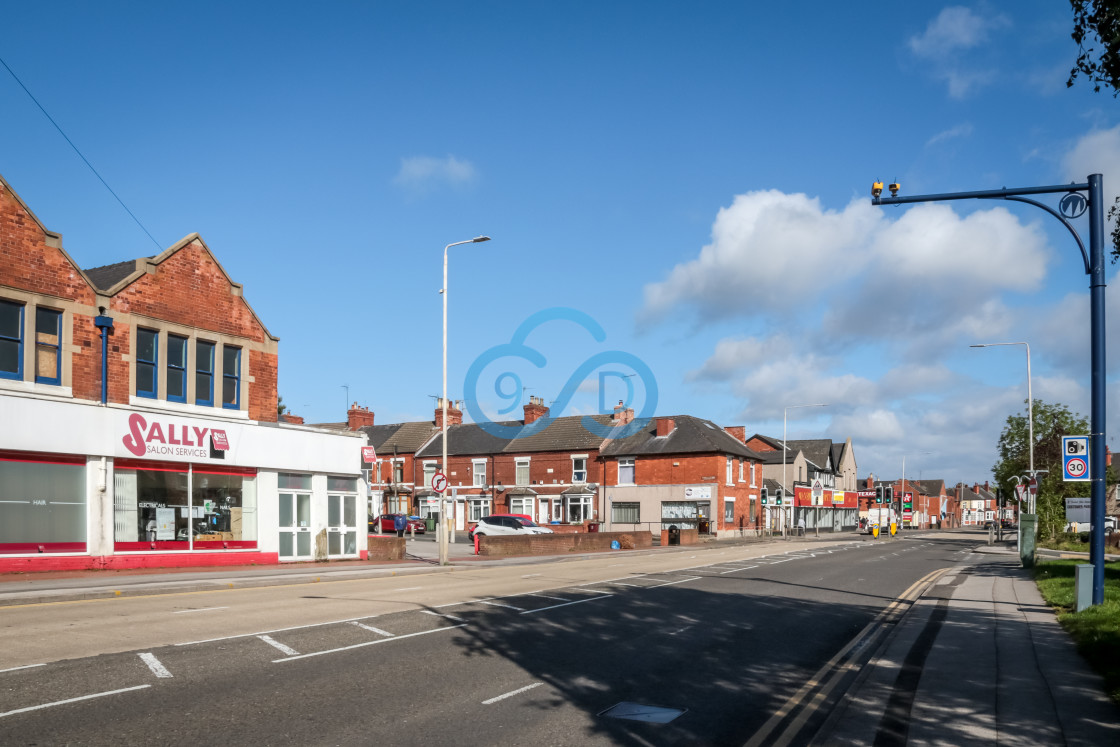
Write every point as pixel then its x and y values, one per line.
pixel 476 544
pixel 1083 586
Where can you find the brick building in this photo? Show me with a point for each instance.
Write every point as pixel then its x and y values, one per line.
pixel 140 417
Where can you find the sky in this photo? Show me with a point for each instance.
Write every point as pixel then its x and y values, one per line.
pixel 677 195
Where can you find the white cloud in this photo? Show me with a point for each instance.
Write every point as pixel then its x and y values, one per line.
pixel 864 428
pixel 1097 152
pixel 955 28
pixel 961 130
pixel 425 172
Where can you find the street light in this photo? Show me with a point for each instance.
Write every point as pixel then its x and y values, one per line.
pixel 792 493
pixel 442 534
pixel 1030 407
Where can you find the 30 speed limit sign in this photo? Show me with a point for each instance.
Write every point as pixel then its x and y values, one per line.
pixel 1075 458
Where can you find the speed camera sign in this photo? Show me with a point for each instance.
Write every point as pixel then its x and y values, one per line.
pixel 1075 458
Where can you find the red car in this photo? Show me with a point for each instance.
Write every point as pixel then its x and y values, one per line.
pixel 385 523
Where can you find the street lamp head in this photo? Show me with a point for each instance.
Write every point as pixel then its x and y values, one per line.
pixel 479 239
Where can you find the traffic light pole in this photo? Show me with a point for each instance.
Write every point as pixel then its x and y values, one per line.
pixel 1076 198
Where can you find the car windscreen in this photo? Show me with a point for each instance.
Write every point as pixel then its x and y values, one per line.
pixel 526 522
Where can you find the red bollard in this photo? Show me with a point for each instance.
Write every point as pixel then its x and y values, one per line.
pixel 476 544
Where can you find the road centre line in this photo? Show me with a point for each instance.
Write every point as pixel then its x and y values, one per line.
pixel 72 700
pixel 438 614
pixel 367 643
pixel 566 604
pixel 741 569
pixel 276 630
pixel 154 664
pixel 372 629
pixel 635 586
pixel 511 693
pixel 25 666
pixel 531 575
pixel 204 609
pixel 409 588
pixel 278 645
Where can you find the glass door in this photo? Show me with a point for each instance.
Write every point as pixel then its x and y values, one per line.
pixel 342 525
pixel 295 526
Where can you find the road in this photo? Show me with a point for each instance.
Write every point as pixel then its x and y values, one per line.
pixel 749 643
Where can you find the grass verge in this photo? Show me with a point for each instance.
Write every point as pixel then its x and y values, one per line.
pixel 1096 630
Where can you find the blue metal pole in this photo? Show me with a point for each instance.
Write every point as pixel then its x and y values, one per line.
pixel 105 324
pixel 1097 422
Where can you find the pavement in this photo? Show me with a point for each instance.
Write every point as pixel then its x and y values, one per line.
pixel 977 659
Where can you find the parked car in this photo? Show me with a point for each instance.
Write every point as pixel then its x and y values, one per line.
pixel 384 524
pixel 506 524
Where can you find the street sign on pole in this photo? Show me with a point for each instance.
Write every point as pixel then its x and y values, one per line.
pixel 818 491
pixel 1075 458
pixel 439 482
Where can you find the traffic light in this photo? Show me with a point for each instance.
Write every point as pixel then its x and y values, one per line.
pixel 764 496
pixel 878 493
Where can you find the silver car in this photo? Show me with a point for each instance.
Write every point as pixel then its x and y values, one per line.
pixel 507 524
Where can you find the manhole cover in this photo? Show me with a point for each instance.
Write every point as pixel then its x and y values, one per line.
pixel 639 712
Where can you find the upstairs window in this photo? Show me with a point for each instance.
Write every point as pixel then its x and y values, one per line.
pixel 522 475
pixel 231 377
pixel 147 359
pixel 48 346
pixel 398 470
pixel 579 469
pixel 626 471
pixel 204 373
pixel 730 470
pixel 478 473
pixel 176 368
pixel 11 340
pixel 429 473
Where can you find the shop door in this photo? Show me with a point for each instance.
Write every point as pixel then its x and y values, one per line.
pixel 295 526
pixel 342 525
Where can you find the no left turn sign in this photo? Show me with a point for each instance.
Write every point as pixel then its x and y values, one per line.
pixel 439 482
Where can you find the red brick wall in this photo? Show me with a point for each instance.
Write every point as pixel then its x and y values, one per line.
pixel 757 444
pixel 28 263
pixel 554 544
pixel 262 390
pixel 381 547
pixel 688 537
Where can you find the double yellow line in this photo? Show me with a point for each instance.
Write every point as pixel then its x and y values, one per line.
pixel 825 680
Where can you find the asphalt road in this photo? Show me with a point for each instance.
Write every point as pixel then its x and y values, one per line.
pixel 748 642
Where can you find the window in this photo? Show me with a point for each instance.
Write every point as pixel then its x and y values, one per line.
pixel 44 504
pixel 521 505
pixel 752 475
pixel 579 508
pixel 479 507
pixel 752 509
pixel 429 473
pixel 176 368
pixel 579 469
pixel 231 377
pixel 48 346
pixel 478 472
pixel 522 475
pixel 11 340
pixel 740 469
pixel 729 511
pixel 398 470
pixel 625 513
pixel 204 373
pixel 147 345
pixel 730 470
pixel 626 471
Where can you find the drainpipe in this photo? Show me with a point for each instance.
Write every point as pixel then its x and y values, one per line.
pixel 105 324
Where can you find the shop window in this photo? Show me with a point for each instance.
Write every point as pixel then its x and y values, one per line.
pixel 626 471
pixel 43 506
pixel 342 484
pixel 203 509
pixel 625 513
pixel 231 377
pixel 48 346
pixel 147 362
pixel 204 373
pixel 292 481
pixel 521 475
pixel 579 470
pixel 11 340
pixel 176 368
pixel 683 514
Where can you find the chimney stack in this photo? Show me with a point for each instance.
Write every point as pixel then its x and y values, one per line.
pixel 535 410
pixel 664 426
pixel 358 417
pixel 454 413
pixel 738 431
pixel 622 414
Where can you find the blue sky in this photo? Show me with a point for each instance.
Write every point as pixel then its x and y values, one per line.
pixel 692 177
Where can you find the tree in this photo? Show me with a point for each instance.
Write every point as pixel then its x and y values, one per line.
pixel 1051 422
pixel 281 408
pixel 1096 29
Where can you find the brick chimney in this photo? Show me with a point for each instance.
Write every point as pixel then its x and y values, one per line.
pixel 738 431
pixel 358 417
pixel 871 481
pixel 535 410
pixel 292 419
pixel 622 414
pixel 454 414
pixel 665 426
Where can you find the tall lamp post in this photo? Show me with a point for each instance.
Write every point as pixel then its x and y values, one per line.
pixel 792 493
pixel 1030 409
pixel 442 534
pixel 1075 200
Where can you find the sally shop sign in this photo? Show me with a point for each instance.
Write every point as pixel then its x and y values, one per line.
pixel 168 438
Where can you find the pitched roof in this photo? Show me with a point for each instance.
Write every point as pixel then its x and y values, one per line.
pixel 400 438
pixel 106 276
pixel 817 450
pixel 566 433
pixel 690 435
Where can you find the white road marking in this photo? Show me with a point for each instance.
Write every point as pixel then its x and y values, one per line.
pixel 409 588
pixel 372 629
pixel 72 700
pixel 531 575
pixel 511 693
pixel 546 596
pixel 276 630
pixel 670 583
pixel 367 643
pixel 154 664
pixel 25 666
pixel 499 604
pixel 204 609
pixel 449 617
pixel 581 601
pixel 278 645
pixel 747 568
pixel 636 586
